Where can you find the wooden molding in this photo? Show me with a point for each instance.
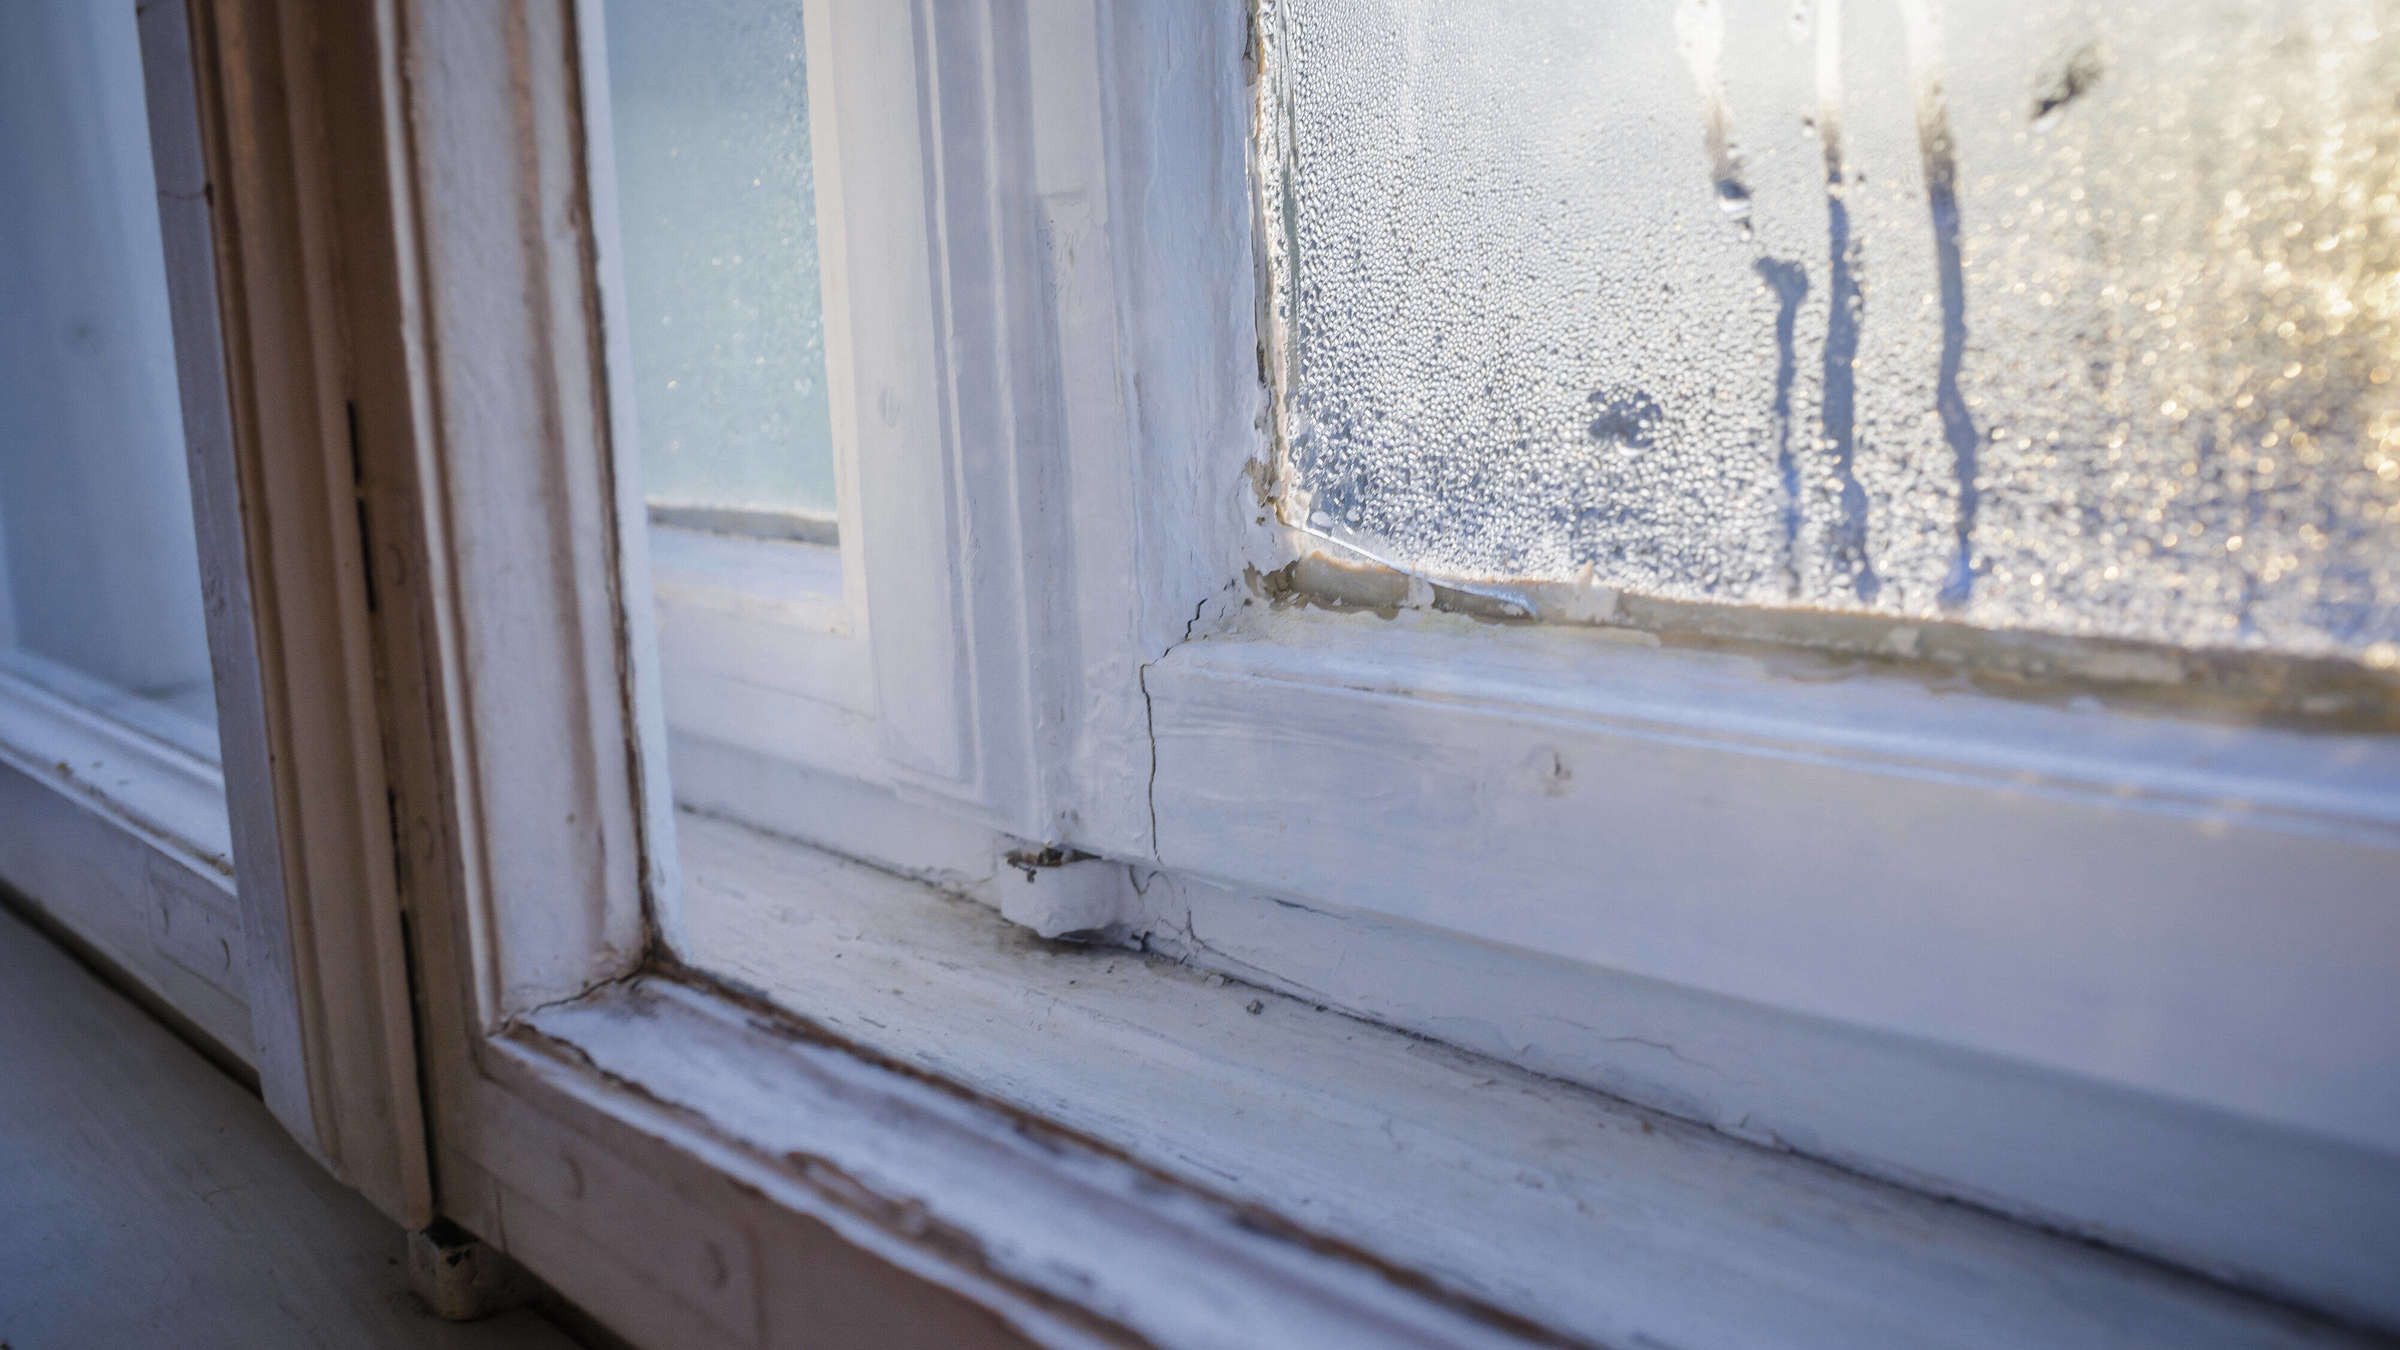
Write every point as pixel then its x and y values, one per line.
pixel 288 94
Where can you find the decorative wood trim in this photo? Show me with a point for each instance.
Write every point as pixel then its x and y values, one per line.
pixel 287 93
pixel 520 628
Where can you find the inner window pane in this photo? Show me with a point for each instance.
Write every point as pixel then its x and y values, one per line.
pixel 717 210
pixel 99 572
pixel 2039 314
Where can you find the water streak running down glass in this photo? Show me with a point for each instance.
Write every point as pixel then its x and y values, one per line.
pixel 2070 316
pixel 717 211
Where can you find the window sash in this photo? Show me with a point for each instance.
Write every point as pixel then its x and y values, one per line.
pixel 517 714
pixel 2125 858
pixel 2129 858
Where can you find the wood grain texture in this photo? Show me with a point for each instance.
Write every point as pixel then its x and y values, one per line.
pixel 146 1199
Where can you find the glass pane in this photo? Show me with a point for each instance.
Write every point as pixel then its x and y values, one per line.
pixel 717 207
pixel 2052 314
pixel 99 571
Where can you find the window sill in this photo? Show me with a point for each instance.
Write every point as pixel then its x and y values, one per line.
pixel 1264 1154
pixel 117 833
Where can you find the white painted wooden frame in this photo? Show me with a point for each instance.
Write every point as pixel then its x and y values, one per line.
pixel 271 929
pixel 515 723
pixel 2159 956
pixel 2047 909
pixel 915 704
pixel 696 1168
pixel 117 813
pixel 2099 925
pixel 289 496
pixel 119 839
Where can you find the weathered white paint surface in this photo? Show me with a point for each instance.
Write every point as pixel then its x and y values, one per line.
pixel 293 182
pixel 2193 925
pixel 2097 927
pixel 2061 886
pixel 968 1191
pixel 1592 1216
pixel 672 1163
pixel 121 839
pixel 189 231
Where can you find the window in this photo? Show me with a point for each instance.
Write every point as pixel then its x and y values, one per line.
pixel 728 389
pixel 191 787
pixel 1663 594
pixel 108 714
pixel 917 694
pixel 2088 335
pixel 727 331
pixel 102 566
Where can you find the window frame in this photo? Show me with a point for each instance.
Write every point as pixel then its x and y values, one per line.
pixel 1347 710
pixel 780 647
pixel 863 673
pixel 2154 837
pixel 123 839
pixel 514 728
pixel 508 697
pixel 120 839
pixel 288 554
pixel 171 865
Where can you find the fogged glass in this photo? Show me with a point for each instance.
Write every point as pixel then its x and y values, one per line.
pixel 2060 314
pixel 99 576
pixel 717 209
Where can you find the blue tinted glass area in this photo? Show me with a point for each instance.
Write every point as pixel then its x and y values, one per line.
pixel 2024 314
pixel 99 572
pixel 717 210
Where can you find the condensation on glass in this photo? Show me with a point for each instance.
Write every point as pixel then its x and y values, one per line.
pixel 2069 316
pixel 716 198
pixel 99 571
